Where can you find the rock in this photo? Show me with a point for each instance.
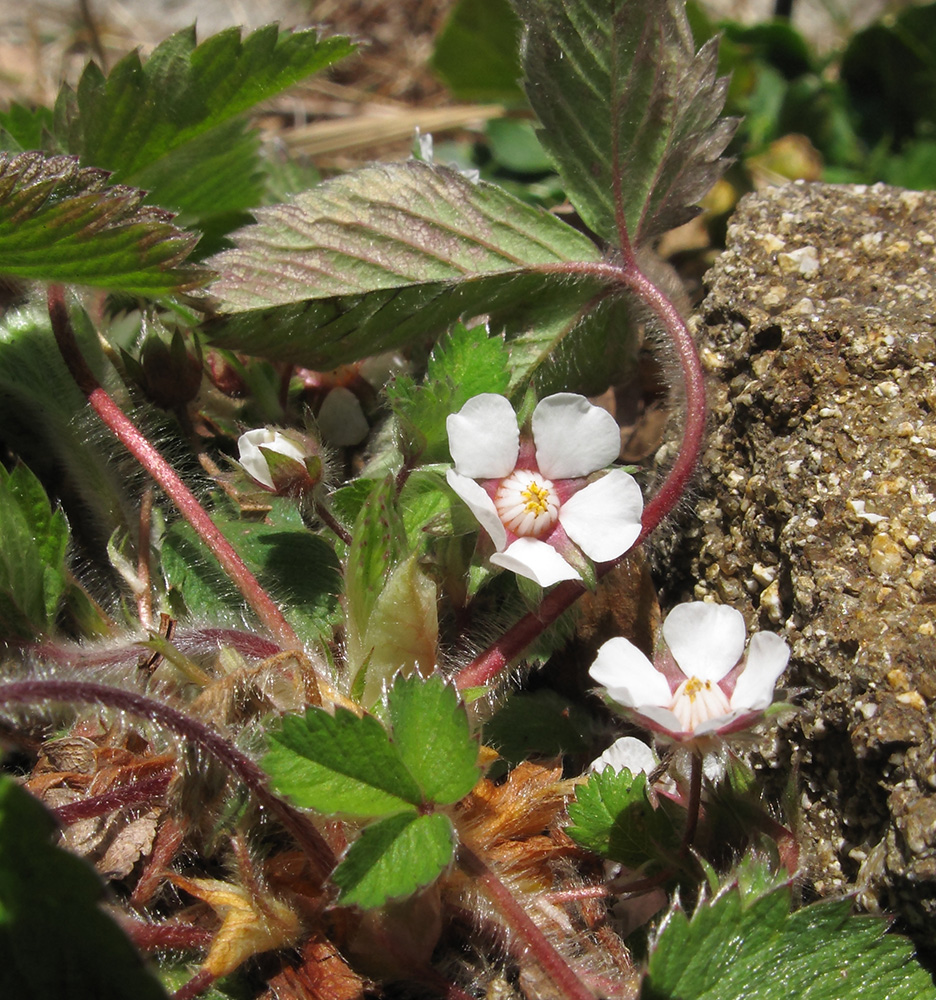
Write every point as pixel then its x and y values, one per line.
pixel 815 512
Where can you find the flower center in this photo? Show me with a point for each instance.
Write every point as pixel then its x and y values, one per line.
pixel 527 503
pixel 695 702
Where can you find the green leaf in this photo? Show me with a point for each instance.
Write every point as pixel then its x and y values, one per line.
pixel 54 939
pixel 515 146
pixel 625 104
pixel 33 540
pixel 394 858
pixel 476 54
pixel 432 735
pixel 539 722
pixel 62 223
pixel 378 257
pixel 387 227
pixel 734 948
pixel 153 123
pixel 23 129
pixel 612 816
pixel 377 543
pixel 340 764
pixel 402 631
pixel 463 364
pixel 298 567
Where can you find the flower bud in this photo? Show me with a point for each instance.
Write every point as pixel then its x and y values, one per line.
pixel 170 374
pixel 285 463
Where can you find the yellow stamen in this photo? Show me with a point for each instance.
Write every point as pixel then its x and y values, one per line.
pixel 537 499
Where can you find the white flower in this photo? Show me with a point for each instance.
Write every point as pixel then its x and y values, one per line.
pixel 532 496
pixel 626 752
pixel 252 445
pixel 701 684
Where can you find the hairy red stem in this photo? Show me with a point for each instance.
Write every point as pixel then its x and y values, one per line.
pixel 485 667
pixel 134 441
pixel 695 802
pixel 136 793
pixel 568 984
pixel 298 825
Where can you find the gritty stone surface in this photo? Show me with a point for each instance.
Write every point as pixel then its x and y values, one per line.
pixel 816 512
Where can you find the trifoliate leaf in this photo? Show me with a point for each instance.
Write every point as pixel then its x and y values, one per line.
pixel 377 257
pixel 33 539
pixel 734 949
pixel 463 364
pixel 153 122
pixel 54 941
pixel 394 858
pixel 432 735
pixel 62 223
pixel 340 764
pixel 629 111
pixel 613 817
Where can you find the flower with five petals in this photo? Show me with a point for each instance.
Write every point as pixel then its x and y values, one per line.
pixel 701 685
pixel 534 496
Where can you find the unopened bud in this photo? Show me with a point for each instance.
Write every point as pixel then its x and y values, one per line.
pixel 171 376
pixel 285 463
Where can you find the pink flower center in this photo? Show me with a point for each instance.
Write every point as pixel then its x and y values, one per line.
pixel 527 503
pixel 695 702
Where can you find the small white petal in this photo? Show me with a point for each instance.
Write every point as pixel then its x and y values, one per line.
pixel 767 658
pixel 627 752
pixel 252 458
pixel 481 505
pixel 603 519
pixel 341 419
pixel 573 437
pixel 629 677
pixel 663 717
pixel 535 560
pixel 716 723
pixel 706 640
pixel 484 438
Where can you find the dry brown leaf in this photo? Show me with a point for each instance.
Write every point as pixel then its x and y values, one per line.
pixel 251 923
pixel 322 974
pixel 132 842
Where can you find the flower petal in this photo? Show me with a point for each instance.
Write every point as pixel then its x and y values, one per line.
pixel 603 519
pixel 658 720
pixel 629 677
pixel 252 458
pixel 627 752
pixel 767 658
pixel 484 438
pixel 706 640
pixel 341 419
pixel 481 505
pixel 535 560
pixel 573 437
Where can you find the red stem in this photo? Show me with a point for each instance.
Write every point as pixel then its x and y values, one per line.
pixel 133 440
pixel 138 792
pixel 485 667
pixel 568 984
pixel 298 825
pixel 694 804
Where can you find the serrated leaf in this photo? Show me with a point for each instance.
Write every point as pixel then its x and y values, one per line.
pixel 62 223
pixel 384 227
pixel 323 334
pixel 33 540
pixel 23 129
pixel 463 364
pixel 394 858
pixel 612 816
pixel 54 939
pixel 626 105
pixel 432 735
pixel 732 949
pixel 138 119
pixel 340 764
